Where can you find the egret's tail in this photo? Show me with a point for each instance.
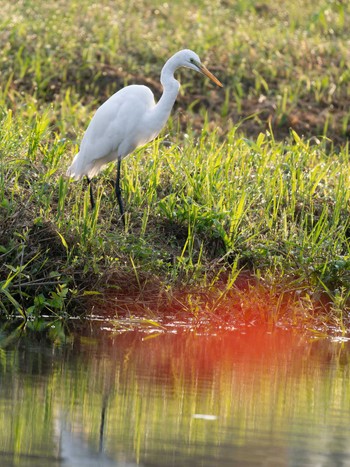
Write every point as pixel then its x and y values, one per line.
pixel 75 169
pixel 81 166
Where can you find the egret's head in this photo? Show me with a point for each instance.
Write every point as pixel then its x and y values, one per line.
pixel 190 59
pixel 193 61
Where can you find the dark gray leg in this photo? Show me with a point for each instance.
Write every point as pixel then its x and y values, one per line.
pixel 103 422
pixel 92 200
pixel 118 192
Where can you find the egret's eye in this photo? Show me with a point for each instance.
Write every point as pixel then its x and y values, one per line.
pixel 194 62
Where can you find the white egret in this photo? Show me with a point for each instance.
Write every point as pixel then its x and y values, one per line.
pixel 128 119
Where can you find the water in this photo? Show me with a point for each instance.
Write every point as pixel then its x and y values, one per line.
pixel 247 397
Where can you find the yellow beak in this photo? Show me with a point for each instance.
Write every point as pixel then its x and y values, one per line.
pixel 210 75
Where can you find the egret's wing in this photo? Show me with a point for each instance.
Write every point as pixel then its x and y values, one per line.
pixel 117 119
pixel 114 130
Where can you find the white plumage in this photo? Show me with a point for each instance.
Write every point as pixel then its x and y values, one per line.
pixel 116 129
pixel 128 119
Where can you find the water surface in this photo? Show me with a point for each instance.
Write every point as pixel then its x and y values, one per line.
pixel 247 397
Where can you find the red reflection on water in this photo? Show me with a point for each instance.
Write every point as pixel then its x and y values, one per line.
pixel 204 353
pixel 188 353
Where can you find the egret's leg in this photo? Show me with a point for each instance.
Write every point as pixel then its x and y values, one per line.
pixel 92 200
pixel 118 192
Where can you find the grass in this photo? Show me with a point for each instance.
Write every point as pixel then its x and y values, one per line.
pixel 252 179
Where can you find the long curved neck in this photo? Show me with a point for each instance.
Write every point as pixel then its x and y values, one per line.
pixel 170 85
pixel 171 88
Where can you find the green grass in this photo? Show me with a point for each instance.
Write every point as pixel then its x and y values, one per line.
pixel 253 178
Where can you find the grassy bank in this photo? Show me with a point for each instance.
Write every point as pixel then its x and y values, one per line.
pixel 254 178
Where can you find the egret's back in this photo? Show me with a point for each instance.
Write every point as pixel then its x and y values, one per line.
pixel 118 127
